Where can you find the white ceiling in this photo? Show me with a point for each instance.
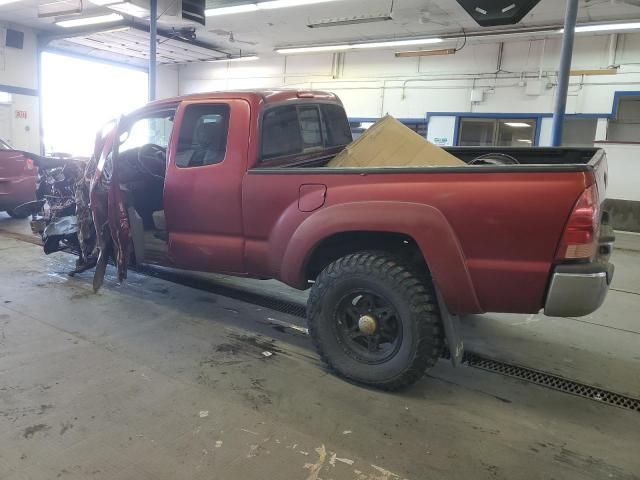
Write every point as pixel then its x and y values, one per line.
pixel 260 32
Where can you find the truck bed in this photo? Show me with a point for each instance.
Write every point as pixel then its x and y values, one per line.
pixel 538 159
pixel 507 220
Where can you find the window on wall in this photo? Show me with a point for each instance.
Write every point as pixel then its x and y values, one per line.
pixel 477 132
pixel 579 132
pixel 358 128
pixel 626 126
pixel 490 132
pixel 419 127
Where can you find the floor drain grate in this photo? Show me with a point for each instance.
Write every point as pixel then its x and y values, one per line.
pixel 554 382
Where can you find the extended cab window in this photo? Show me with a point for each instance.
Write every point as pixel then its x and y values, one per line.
pixel 203 135
pixel 310 126
pixel 296 129
pixel 281 134
pixel 338 128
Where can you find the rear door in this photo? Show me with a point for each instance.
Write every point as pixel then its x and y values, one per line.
pixel 203 185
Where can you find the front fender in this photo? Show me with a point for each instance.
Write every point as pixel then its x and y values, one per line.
pixel 425 224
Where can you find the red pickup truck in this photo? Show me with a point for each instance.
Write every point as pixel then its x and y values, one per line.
pixel 236 182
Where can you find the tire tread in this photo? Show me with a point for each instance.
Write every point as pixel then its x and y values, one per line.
pixel 422 301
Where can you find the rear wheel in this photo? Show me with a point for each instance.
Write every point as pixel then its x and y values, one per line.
pixel 374 321
pixel 13 214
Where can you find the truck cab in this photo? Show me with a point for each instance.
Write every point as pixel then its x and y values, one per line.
pixel 181 165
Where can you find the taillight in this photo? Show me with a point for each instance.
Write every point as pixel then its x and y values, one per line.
pixel 580 237
pixel 28 165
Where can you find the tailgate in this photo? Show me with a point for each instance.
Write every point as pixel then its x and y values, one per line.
pixel 601 173
pixel 606 236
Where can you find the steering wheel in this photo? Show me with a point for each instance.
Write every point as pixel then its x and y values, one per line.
pixel 152 160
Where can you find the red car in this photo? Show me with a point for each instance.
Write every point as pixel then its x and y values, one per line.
pixel 18 176
pixel 238 183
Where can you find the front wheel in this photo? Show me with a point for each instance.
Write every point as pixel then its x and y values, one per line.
pixel 14 214
pixel 374 321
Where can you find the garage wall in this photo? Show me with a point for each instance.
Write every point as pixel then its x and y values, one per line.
pixel 374 83
pixel 167 82
pixel 19 79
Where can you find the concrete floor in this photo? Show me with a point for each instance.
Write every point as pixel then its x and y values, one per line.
pixel 155 380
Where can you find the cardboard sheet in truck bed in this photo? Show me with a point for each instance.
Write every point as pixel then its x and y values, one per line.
pixel 389 143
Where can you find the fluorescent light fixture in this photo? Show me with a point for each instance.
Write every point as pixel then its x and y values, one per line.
pixel 78 22
pixel 104 3
pixel 115 30
pixel 426 53
pixel 252 7
pixel 339 22
pixel 7 2
pixel 359 46
pixel 58 8
pixel 523 140
pixel 132 9
pixel 517 125
pixel 323 48
pixel 249 58
pixel 273 4
pixel 249 7
pixel 398 43
pixel 606 27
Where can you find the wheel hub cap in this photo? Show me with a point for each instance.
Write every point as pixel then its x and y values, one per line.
pixel 367 324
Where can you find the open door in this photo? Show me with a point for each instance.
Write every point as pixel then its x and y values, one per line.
pixel 127 191
pixel 108 209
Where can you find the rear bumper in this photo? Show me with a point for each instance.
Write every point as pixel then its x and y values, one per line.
pixel 578 290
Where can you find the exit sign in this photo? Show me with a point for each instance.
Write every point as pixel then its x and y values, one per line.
pixel 21 114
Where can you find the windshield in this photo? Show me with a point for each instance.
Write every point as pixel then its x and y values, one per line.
pixel 4 145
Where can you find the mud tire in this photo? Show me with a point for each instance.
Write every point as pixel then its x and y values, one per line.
pixel 411 295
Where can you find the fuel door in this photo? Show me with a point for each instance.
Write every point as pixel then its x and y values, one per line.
pixel 312 196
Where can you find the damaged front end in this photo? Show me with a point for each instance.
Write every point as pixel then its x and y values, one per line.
pixel 55 191
pixel 59 213
pixel 62 212
pixel 79 208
